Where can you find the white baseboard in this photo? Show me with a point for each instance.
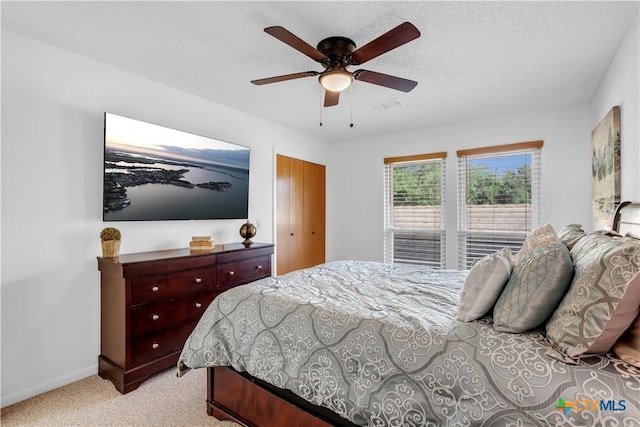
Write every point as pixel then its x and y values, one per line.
pixel 48 386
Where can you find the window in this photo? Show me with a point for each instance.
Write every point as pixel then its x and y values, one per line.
pixel 414 218
pixel 499 198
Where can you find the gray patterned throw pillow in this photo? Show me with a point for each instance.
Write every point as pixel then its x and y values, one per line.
pixel 603 299
pixel 570 234
pixel 534 290
pixel 542 237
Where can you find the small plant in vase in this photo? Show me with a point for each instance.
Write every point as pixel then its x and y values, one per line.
pixel 110 238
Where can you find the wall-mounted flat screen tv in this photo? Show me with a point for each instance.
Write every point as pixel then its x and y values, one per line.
pixel 154 173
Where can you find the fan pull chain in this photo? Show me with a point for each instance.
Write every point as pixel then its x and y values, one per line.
pixel 321 105
pixel 351 125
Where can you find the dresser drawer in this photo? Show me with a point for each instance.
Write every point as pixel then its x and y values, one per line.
pixel 243 254
pixel 161 343
pixel 235 273
pixel 163 286
pixel 150 318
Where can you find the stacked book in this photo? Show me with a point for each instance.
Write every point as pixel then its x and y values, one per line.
pixel 201 243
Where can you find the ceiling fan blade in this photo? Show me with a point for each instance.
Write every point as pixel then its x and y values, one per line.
pixel 385 80
pixel 285 77
pixel 297 43
pixel 390 40
pixel 331 98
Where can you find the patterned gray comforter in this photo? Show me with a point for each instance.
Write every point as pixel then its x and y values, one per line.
pixel 379 345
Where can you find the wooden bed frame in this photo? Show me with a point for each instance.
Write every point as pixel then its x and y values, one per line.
pixel 239 397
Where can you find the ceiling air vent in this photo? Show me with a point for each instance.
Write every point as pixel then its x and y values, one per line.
pixel 390 104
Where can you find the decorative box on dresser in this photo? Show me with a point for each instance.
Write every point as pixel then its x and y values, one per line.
pixel 151 301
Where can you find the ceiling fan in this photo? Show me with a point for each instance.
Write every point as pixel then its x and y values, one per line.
pixel 336 54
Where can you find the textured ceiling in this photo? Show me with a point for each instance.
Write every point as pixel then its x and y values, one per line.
pixel 473 59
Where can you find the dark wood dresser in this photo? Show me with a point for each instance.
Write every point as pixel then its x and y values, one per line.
pixel 151 301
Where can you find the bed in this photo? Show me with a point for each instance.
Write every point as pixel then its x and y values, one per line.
pixel 352 343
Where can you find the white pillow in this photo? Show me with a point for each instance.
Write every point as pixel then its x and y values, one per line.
pixel 484 284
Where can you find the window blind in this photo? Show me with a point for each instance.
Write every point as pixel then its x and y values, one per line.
pixel 499 199
pixel 414 214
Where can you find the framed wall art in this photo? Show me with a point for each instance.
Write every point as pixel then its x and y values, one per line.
pixel 605 168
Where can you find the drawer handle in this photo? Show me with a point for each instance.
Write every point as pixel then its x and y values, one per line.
pixel 232 273
pixel 198 305
pixel 155 289
pixel 259 267
pixel 155 345
pixel 155 317
pixel 198 280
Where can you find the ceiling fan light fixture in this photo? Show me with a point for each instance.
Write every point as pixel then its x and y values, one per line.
pixel 336 80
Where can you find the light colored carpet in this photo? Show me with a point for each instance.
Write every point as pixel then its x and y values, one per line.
pixel 162 400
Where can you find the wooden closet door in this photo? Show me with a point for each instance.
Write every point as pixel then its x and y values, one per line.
pixel 283 192
pixel 300 211
pixel 314 214
pixel 297 239
pixel 289 211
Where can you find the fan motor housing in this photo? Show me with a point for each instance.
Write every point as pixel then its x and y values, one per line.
pixel 337 48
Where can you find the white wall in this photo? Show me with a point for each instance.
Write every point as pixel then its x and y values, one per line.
pixel 358 178
pixel 621 86
pixel 52 151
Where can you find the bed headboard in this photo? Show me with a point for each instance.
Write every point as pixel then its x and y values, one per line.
pixel 626 219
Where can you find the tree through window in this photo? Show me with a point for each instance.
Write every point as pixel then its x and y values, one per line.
pixel 414 227
pixel 499 198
